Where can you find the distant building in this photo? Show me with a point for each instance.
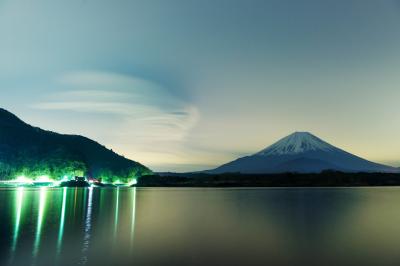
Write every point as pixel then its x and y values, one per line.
pixel 80 178
pixel 93 180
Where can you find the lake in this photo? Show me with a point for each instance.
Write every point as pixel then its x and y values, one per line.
pixel 185 226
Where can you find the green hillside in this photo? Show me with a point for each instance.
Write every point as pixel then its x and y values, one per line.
pixel 32 152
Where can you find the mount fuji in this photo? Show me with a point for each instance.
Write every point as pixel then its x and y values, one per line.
pixel 301 152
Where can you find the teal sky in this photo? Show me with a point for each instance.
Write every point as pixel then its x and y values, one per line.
pixel 189 84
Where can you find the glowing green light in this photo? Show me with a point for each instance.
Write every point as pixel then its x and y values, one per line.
pixel 42 205
pixel 44 179
pixel 133 182
pixel 20 196
pixel 23 179
pixel 19 180
pixel 116 215
pixel 58 183
pixel 118 182
pixel 62 221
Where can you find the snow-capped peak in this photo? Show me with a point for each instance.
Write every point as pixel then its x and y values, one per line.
pixel 297 142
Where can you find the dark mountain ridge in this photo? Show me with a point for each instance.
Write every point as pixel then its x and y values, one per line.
pixel 33 152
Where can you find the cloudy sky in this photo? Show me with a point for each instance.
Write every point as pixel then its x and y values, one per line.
pixel 189 84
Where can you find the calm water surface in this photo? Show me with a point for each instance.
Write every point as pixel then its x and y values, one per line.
pixel 128 226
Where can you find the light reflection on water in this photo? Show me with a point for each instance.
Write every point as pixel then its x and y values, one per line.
pixel 129 226
pixel 18 208
pixel 88 226
pixel 133 218
pixel 116 216
pixel 40 216
pixel 62 221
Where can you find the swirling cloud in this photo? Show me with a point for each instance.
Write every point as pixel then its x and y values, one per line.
pixel 148 117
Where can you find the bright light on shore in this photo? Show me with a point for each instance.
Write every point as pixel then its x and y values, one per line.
pixel 44 179
pixel 133 182
pixel 118 182
pixel 23 179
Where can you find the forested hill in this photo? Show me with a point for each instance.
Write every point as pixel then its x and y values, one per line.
pixel 33 152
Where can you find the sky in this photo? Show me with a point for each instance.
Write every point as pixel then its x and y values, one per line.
pixel 184 85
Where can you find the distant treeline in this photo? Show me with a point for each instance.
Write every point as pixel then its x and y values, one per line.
pixel 67 156
pixel 324 179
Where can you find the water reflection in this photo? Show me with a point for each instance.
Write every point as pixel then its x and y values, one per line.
pixel 62 221
pixel 116 215
pixel 88 226
pixel 68 226
pixel 133 217
pixel 18 208
pixel 42 206
pixel 128 226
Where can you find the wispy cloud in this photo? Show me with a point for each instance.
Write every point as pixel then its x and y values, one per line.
pixel 148 116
